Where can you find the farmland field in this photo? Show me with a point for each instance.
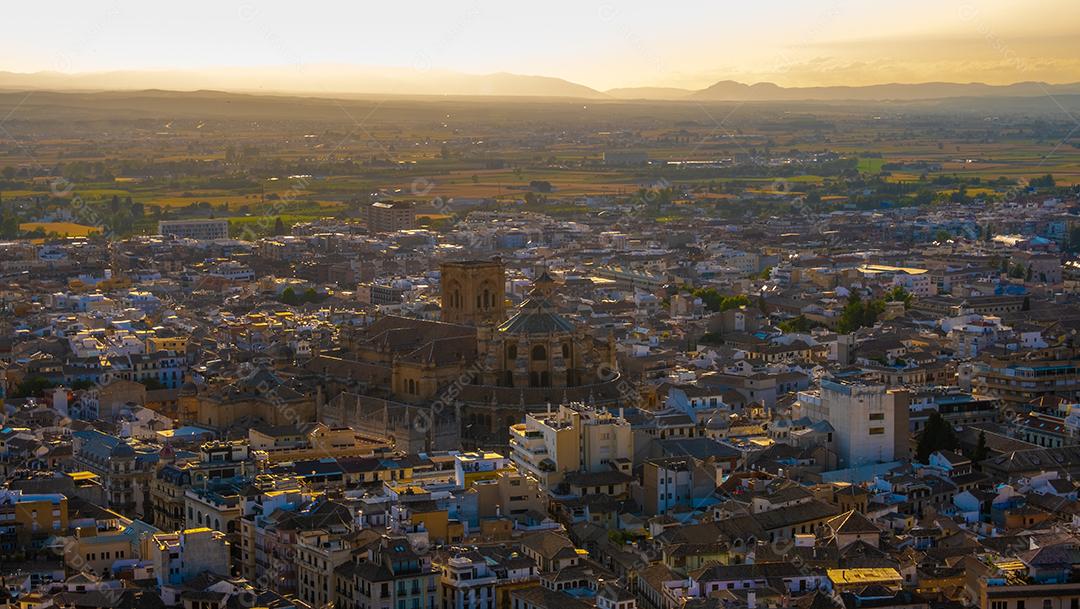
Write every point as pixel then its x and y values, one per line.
pixel 64 229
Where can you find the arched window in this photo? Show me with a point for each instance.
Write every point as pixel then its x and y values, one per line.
pixel 566 351
pixel 488 300
pixel 539 353
pixel 511 352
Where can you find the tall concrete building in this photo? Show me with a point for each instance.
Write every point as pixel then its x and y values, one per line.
pixel 178 557
pixel 473 291
pixel 203 230
pixel 869 420
pixel 390 216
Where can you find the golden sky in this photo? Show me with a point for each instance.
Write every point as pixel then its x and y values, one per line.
pixel 601 44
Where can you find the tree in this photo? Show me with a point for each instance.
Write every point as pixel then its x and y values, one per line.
pixel 716 302
pixel 857 314
pixel 9 226
pixel 288 296
pixel 899 294
pixel 981 452
pixel 1046 181
pixel 152 383
pixel 938 434
pixel 796 325
pixel 32 386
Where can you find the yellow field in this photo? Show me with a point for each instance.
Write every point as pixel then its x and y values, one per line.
pixel 215 200
pixel 66 229
pixel 900 177
pixel 974 192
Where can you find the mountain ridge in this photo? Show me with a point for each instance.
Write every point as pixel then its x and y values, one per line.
pixel 351 80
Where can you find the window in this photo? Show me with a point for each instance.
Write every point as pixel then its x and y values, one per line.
pixel 877 431
pixel 877 416
pixel 539 353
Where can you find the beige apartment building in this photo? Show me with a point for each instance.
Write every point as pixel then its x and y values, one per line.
pixel 575 438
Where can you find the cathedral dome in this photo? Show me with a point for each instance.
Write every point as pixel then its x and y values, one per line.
pixel 536 316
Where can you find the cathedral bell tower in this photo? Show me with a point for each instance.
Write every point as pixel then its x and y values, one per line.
pixel 473 292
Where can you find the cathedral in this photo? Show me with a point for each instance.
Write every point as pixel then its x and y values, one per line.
pixel 484 365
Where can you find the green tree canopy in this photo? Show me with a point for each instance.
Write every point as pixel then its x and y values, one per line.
pixel 858 314
pixel 937 435
pixel 716 302
pixel 899 294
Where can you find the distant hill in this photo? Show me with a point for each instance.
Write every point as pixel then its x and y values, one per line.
pixel 729 90
pixel 317 80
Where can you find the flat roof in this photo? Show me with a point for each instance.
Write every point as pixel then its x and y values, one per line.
pixel 884 268
pixel 863 576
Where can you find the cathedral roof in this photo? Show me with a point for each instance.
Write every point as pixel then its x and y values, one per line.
pixel 536 316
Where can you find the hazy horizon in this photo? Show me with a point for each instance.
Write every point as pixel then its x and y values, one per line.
pixel 605 46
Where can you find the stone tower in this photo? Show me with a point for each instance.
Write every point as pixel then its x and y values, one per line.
pixel 473 292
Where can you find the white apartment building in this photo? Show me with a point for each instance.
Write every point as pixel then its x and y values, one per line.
pixel 467 583
pixel 178 557
pixel 574 438
pixel 870 422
